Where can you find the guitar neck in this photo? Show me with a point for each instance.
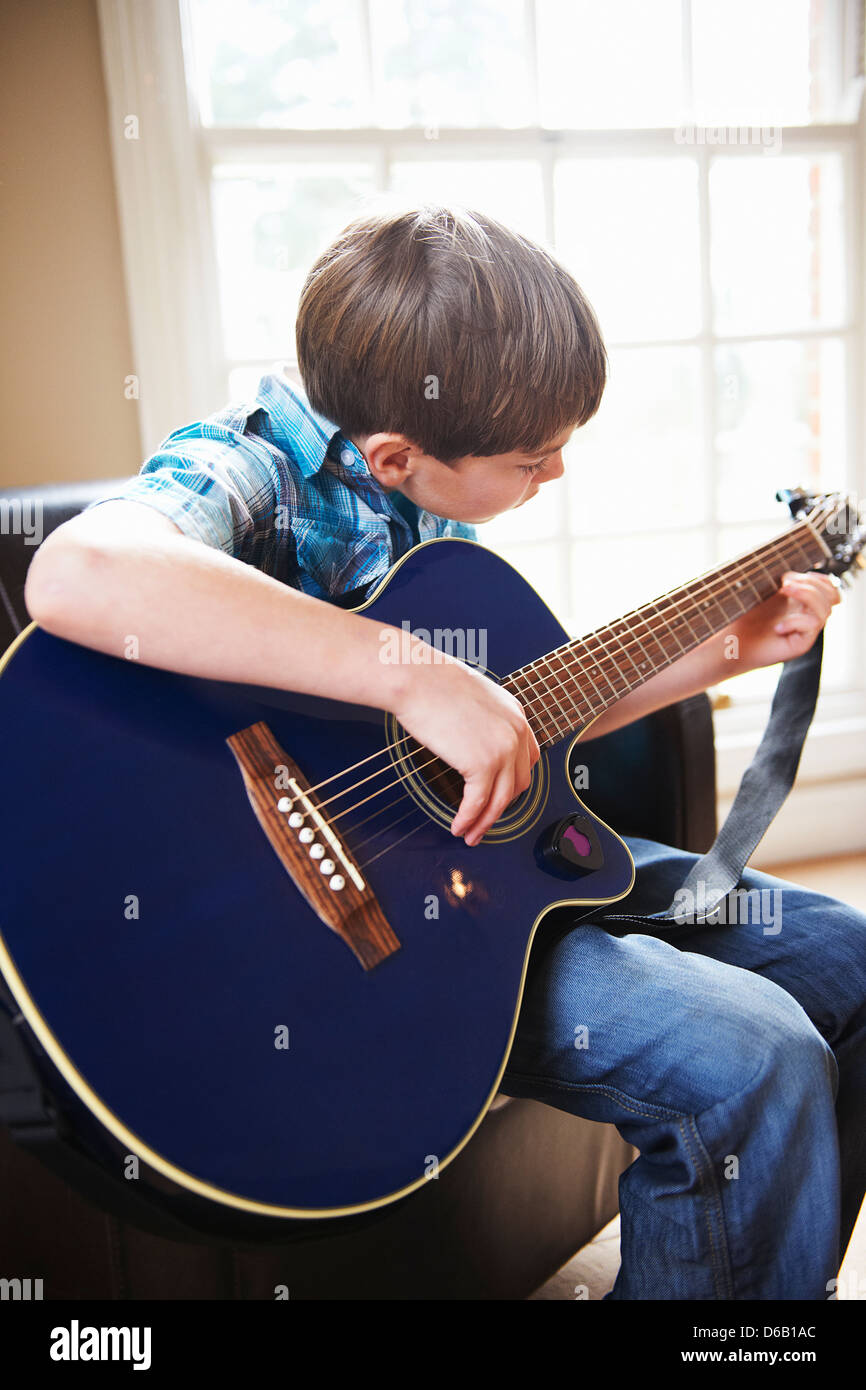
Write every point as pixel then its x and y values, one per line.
pixel 566 689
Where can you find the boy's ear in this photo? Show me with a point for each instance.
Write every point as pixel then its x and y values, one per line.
pixel 391 458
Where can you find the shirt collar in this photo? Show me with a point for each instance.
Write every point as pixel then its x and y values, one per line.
pixel 311 438
pixel 302 432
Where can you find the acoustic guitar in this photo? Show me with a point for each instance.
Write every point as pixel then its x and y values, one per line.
pixel 246 951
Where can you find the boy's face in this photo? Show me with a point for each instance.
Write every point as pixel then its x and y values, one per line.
pixel 472 489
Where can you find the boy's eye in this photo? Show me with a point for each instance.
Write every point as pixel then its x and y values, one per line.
pixel 532 467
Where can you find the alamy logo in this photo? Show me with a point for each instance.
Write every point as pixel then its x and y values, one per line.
pixel 768 137
pixel 22 516
pixel 741 905
pixel 465 643
pixel 20 1290
pixel 77 1343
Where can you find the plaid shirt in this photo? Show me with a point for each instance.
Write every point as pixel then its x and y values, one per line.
pixel 273 483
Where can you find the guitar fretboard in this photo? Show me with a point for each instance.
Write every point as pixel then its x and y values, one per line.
pixel 564 690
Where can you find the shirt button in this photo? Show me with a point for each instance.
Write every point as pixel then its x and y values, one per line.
pixel 347 457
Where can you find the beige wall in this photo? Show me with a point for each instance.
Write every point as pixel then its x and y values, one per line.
pixel 65 346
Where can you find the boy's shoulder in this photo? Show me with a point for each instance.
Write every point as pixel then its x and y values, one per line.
pixel 272 482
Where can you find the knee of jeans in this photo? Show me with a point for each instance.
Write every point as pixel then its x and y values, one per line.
pixel 791 1052
pixel 757 1038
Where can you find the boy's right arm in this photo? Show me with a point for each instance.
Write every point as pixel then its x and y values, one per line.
pixel 124 570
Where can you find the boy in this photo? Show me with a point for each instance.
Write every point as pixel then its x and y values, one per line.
pixel 446 361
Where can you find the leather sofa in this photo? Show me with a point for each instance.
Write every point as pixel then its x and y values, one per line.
pixel 533 1185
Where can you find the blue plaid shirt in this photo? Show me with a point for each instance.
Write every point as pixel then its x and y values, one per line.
pixel 273 483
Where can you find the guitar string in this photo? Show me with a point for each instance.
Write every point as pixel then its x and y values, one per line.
pixel 419 767
pixel 414 831
pixel 528 704
pixel 788 541
pixel 384 829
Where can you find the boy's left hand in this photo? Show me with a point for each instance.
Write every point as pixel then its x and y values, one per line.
pixel 785 625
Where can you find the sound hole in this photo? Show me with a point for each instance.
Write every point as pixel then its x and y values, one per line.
pixel 442 780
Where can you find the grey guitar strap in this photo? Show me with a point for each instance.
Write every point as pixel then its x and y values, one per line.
pixel 764 786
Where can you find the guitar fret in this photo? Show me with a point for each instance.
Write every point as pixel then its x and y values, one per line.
pixel 700 616
pixel 544 716
pixel 626 652
pixel 579 680
pixel 756 589
pixel 598 667
pixel 565 668
pixel 808 564
pixel 669 628
pixel 562 712
pixel 653 661
pixel 773 584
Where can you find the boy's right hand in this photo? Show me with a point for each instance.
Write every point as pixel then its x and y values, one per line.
pixel 477 728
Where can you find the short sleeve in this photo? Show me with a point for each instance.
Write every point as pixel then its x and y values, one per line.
pixel 215 483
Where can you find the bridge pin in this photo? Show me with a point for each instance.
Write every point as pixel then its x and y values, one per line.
pixel 296 819
pixel 306 836
pixel 317 850
pixel 338 882
pixel 327 866
pixel 284 804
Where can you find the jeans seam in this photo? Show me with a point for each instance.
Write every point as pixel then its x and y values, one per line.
pixel 651 1111
pixel 721 1263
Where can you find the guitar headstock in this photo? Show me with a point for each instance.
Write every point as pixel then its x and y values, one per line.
pixel 834 517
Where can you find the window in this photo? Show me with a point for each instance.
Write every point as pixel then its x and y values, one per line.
pixel 697 165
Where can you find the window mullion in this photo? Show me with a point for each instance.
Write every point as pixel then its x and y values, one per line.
pixel 687 60
pixel 367 69
pixel 530 29
pixel 708 383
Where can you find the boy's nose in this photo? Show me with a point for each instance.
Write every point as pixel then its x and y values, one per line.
pixel 555 468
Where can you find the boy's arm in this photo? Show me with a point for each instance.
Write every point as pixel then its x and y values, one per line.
pixel 125 570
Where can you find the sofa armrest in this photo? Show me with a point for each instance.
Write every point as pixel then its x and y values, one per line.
pixel 30 514
pixel 656 777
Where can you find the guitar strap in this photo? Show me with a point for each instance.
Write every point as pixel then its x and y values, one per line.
pixel 764 786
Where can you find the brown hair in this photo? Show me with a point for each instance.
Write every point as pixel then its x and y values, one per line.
pixel 443 325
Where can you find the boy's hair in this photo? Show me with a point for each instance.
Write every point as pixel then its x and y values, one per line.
pixel 443 325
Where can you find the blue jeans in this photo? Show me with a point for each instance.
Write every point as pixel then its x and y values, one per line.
pixel 733 1060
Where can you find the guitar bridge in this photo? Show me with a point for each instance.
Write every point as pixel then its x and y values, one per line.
pixel 319 865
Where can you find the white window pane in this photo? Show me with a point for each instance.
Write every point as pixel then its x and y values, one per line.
pixel 270 225
pixel 242 381
pixel 777 253
pixel 628 231
pixel 509 190
pixel 612 64
pixel 610 578
pixel 537 519
pixel 284 63
pixel 449 63
pixel 780 412
pixel 639 461
pixel 751 61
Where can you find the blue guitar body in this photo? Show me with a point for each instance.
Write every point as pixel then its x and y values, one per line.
pixel 192 1007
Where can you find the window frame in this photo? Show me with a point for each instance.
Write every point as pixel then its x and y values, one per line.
pixel 162 181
